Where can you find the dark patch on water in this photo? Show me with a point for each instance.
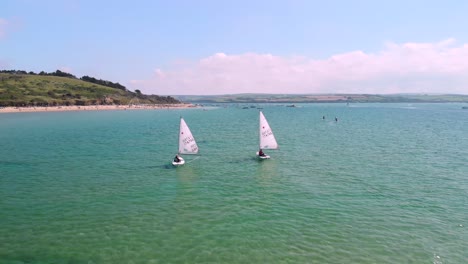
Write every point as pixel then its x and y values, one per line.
pixel 7 162
pixel 15 163
pixel 167 166
pixel 244 160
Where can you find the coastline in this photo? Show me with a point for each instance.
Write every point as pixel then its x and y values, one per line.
pixel 91 108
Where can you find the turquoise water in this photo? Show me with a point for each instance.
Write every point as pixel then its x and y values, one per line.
pixel 387 183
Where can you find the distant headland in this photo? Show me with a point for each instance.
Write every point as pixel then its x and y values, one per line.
pixel 325 98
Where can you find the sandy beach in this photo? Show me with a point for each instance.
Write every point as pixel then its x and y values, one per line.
pixel 91 108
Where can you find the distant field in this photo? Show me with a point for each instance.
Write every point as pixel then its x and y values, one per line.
pixel 321 98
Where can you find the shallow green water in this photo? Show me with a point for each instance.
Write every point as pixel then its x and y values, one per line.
pixel 387 183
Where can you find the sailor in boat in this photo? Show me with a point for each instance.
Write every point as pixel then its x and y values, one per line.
pixel 176 158
pixel 260 153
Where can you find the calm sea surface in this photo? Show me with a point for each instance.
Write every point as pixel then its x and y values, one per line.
pixel 387 183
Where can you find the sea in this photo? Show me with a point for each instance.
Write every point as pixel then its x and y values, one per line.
pixel 383 183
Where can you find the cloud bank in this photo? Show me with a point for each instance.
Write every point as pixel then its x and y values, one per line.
pixel 3 27
pixel 398 68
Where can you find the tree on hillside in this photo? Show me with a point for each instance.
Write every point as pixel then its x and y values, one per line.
pixel 60 73
pixel 103 82
pixel 13 71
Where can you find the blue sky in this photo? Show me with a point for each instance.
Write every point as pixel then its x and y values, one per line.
pixel 222 47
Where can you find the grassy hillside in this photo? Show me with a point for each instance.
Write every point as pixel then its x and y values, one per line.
pixel 27 89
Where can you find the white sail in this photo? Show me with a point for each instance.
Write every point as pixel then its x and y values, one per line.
pixel 187 144
pixel 267 139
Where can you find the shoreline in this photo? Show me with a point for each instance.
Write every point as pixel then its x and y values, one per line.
pixel 11 109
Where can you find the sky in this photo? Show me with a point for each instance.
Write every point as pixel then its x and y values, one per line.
pixel 208 47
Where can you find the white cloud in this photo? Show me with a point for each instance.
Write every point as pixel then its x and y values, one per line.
pixel 3 27
pixel 3 64
pixel 9 25
pixel 3 61
pixel 66 69
pixel 399 68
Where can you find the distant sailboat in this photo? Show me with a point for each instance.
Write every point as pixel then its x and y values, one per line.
pixel 187 144
pixel 267 138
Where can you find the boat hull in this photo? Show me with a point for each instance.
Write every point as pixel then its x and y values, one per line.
pixel 263 157
pixel 181 162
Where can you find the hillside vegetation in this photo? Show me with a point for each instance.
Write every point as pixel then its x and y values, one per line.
pixel 19 88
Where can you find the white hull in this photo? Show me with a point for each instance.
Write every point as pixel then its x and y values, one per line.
pixel 263 157
pixel 181 162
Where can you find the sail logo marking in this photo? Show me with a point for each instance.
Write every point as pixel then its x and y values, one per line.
pixel 188 140
pixel 267 133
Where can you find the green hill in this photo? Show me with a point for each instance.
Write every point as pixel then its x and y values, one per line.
pixel 18 88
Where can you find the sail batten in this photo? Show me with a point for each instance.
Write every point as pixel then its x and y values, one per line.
pixel 187 143
pixel 267 138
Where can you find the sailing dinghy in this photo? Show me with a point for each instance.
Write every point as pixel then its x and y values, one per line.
pixel 267 138
pixel 187 144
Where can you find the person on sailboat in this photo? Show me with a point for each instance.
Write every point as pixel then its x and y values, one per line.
pixel 176 158
pixel 260 153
